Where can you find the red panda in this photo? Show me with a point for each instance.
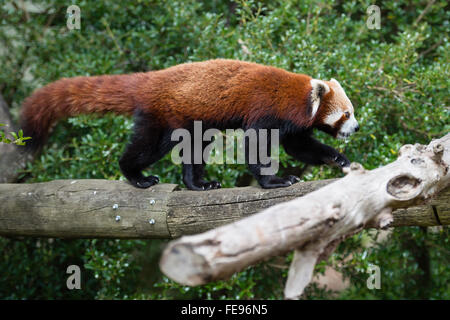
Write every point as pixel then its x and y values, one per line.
pixel 221 93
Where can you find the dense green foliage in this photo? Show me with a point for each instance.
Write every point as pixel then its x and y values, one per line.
pixel 397 78
pixel 17 138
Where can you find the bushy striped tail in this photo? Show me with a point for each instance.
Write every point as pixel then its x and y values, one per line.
pixel 37 118
pixel 70 97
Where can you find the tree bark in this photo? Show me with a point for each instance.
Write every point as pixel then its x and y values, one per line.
pixel 12 157
pixel 89 208
pixel 314 224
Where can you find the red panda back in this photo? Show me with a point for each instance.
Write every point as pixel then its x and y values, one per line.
pixel 214 90
pixel 217 90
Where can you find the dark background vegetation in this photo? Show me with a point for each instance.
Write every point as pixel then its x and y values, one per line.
pixel 396 77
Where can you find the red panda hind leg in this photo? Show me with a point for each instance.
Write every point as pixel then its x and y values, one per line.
pixel 193 174
pixel 148 145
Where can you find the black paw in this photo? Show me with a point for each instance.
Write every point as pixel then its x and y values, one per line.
pixel 341 161
pixel 146 182
pixel 211 185
pixel 293 179
pixel 272 182
pixel 204 185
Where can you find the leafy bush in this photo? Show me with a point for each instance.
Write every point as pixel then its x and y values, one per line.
pixel 396 77
pixel 18 137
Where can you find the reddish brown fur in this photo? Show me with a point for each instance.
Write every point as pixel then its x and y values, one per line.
pixel 216 90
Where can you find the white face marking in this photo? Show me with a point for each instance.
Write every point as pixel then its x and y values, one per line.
pixel 348 127
pixel 341 105
pixel 334 117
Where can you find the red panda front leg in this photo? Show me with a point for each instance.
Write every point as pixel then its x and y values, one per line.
pixel 305 148
pixel 266 181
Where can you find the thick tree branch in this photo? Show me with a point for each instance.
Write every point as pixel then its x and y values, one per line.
pixel 312 225
pixel 88 208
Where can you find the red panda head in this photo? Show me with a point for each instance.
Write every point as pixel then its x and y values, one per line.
pixel 332 111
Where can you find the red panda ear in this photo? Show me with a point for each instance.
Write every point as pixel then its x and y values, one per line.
pixel 319 89
pixel 335 82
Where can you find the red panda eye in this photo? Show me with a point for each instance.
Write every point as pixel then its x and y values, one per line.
pixel 347 114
